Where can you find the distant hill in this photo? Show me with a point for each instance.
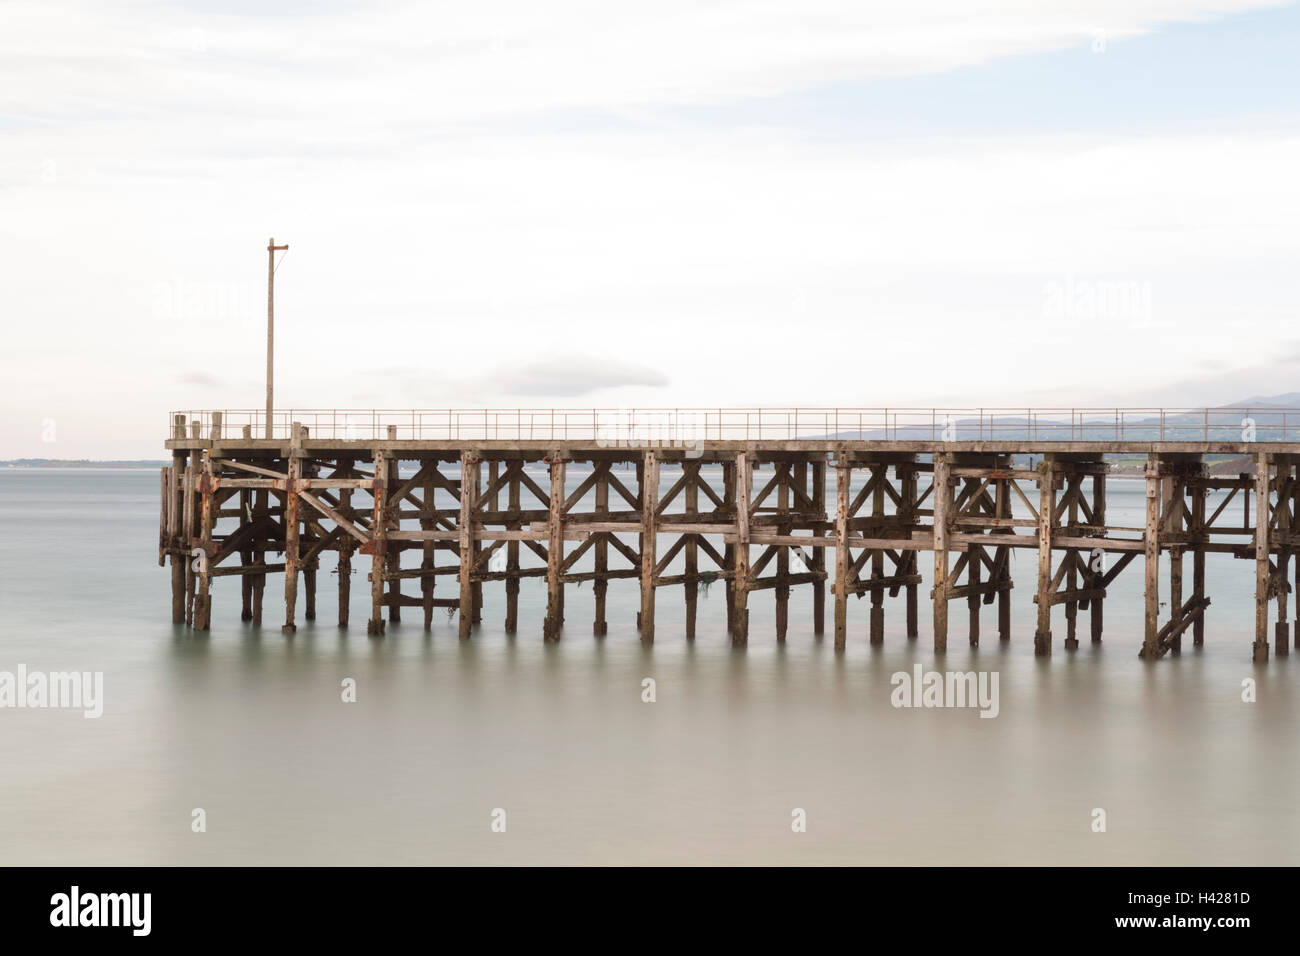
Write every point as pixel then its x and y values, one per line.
pixel 1222 422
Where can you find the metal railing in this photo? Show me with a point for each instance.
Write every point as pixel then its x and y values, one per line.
pixel 683 426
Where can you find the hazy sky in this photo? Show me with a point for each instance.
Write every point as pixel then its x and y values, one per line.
pixel 962 202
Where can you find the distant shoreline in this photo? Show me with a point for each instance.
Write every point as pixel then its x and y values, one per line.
pixel 79 463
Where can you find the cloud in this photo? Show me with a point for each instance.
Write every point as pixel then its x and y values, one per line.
pixel 201 379
pixel 569 376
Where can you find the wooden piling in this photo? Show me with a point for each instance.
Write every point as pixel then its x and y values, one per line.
pixel 1259 650
pixel 555 550
pixel 690 506
pixel 1046 512
pixel 379 544
pixel 744 480
pixel 469 490
pixel 819 554
pixel 512 556
pixel 1151 556
pixel 291 552
pixel 843 475
pixel 942 496
pixel 649 539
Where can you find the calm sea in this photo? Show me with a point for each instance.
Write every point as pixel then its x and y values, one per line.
pixel 250 727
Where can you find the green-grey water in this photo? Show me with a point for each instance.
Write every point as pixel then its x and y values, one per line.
pixel 250 726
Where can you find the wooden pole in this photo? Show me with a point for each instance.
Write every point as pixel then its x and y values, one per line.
pixel 1002 505
pixel 346 546
pixel 1259 651
pixel 271 250
pixel 1096 610
pixel 974 571
pixel 819 554
pixel 691 585
pixel 379 544
pixel 469 490
pixel 843 475
pixel 203 601
pixel 1046 508
pixel 1281 521
pixel 782 553
pixel 942 495
pixel 291 552
pixel 429 549
pixel 555 551
pixel 512 552
pixel 1073 490
pixel 1151 554
pixel 1177 492
pixel 179 557
pixel 744 479
pixel 649 539
pixel 729 549
pixel 877 625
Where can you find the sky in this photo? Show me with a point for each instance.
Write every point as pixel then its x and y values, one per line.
pixel 954 203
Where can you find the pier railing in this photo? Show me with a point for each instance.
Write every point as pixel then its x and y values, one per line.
pixel 690 425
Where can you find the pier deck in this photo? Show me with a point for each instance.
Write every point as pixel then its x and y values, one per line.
pixel 784 514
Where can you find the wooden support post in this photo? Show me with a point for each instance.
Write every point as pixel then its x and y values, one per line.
pixel 729 549
pixel 189 518
pixel 429 557
pixel 974 568
pixel 393 559
pixel 1151 549
pixel 469 491
pixel 876 635
pixel 292 555
pixel 379 544
pixel 1177 492
pixel 262 518
pixel 1046 508
pixel 512 553
pixel 1095 608
pixel 600 585
pixel 649 539
pixel 1281 521
pixel 179 556
pixel 1002 505
pixel 819 554
pixel 476 586
pixel 782 553
pixel 309 587
pixel 346 545
pixel 203 600
pixel 1294 529
pixel 908 492
pixel 1073 490
pixel 245 556
pixel 843 475
pixel 942 495
pixel 555 551
pixel 691 584
pixel 1198 493
pixel 744 479
pixel 639 465
pixel 1259 651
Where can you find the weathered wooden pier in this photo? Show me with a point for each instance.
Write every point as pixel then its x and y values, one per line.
pixel 782 513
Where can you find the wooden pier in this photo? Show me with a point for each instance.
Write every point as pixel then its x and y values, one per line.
pixel 784 514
